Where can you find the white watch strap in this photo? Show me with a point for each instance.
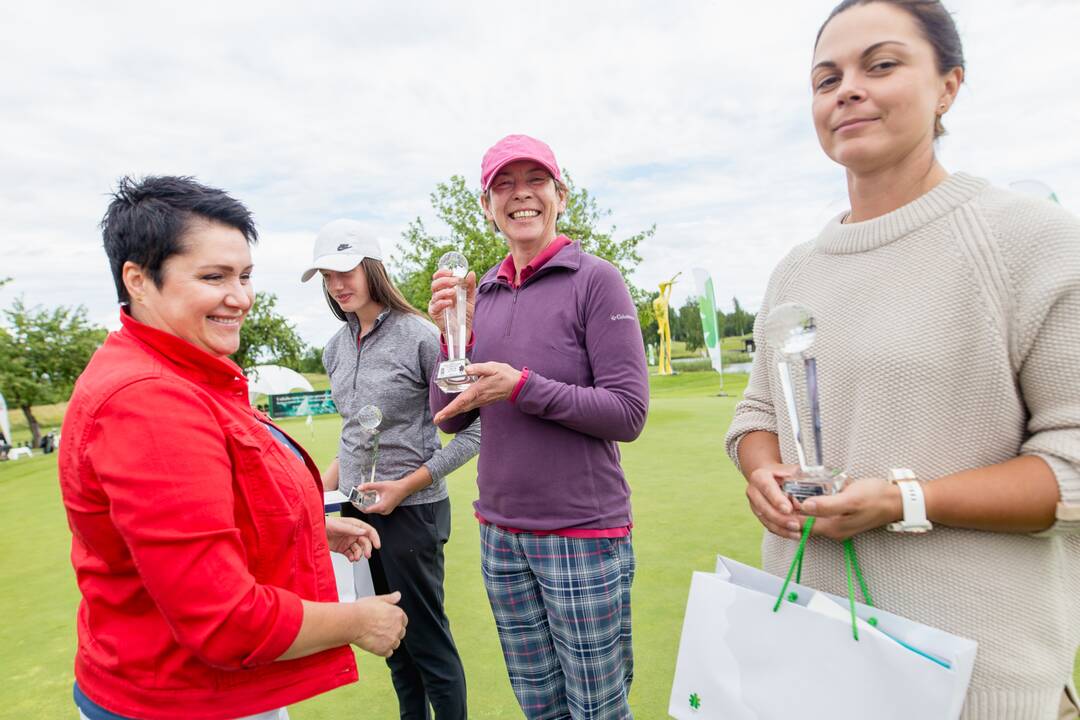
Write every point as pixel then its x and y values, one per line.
pixel 914 503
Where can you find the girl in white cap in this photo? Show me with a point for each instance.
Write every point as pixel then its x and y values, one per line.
pixel 383 355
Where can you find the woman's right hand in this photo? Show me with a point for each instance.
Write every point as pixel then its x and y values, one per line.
pixel 444 296
pixel 771 506
pixel 380 624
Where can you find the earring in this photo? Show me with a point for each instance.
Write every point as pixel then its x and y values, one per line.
pixel 942 107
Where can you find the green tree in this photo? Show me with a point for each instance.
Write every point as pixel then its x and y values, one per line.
pixel 737 318
pixel 267 337
pixel 650 329
pixel 690 325
pixel 675 322
pixel 457 205
pixel 311 362
pixel 739 321
pixel 42 352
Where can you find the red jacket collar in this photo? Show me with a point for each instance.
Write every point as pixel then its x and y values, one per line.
pixel 188 359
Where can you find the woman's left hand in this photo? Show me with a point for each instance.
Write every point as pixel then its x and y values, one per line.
pixel 391 493
pixel 351 537
pixel 496 382
pixel 862 505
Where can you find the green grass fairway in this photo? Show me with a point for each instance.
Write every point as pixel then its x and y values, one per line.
pixel 688 505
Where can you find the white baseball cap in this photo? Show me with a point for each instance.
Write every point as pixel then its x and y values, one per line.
pixel 340 246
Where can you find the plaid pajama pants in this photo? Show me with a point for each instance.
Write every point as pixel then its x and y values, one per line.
pixel 562 609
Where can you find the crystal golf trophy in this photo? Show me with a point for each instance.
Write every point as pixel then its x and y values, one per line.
pixel 791 330
pixel 369 418
pixel 451 376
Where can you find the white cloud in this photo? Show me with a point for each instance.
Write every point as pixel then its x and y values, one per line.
pixel 693 116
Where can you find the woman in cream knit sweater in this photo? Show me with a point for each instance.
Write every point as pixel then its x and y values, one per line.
pixel 949 344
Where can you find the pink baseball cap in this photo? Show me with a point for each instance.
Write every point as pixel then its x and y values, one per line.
pixel 512 148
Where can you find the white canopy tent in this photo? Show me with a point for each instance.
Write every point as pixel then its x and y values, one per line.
pixel 274 380
pixel 5 422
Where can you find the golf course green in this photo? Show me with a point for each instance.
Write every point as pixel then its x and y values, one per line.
pixel 688 506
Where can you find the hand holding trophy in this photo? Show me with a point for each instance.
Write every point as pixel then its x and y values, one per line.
pixel 791 330
pixel 451 376
pixel 369 417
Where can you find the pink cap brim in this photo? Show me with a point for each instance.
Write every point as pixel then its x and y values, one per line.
pixel 514 148
pixel 554 171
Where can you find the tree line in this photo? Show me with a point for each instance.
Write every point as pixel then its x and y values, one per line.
pixel 43 351
pixel 685 322
pixel 456 205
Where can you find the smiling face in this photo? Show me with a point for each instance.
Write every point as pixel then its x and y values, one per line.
pixel 348 289
pixel 205 290
pixel 524 202
pixel 877 89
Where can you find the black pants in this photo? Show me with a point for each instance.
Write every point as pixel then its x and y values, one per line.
pixel 426 668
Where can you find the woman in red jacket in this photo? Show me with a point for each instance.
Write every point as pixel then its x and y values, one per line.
pixel 199 541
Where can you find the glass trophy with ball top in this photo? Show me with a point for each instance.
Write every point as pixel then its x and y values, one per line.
pixel 451 376
pixel 369 417
pixel 791 330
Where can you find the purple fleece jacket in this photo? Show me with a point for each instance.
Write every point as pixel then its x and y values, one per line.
pixel 549 460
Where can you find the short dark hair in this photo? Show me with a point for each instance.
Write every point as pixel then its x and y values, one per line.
pixel 937 26
pixel 147 219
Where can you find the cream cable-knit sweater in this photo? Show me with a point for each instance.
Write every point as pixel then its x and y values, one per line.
pixel 948 339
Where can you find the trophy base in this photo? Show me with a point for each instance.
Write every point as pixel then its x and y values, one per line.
pixel 362 500
pixel 813 481
pixel 451 376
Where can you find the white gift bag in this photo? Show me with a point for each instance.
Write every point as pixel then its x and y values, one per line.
pixel 739 660
pixel 353 578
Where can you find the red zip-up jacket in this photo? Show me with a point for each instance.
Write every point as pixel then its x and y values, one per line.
pixel 195 536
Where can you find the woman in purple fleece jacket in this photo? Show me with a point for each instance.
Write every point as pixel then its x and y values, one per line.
pixel 562 378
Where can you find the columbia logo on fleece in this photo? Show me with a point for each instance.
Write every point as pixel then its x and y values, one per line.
pixel 620 316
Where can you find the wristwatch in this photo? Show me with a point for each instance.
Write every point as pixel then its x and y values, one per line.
pixel 914 502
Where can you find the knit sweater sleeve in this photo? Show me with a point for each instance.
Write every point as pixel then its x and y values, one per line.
pixel 1041 252
pixel 756 411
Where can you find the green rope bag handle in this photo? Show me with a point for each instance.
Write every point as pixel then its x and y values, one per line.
pixel 851 567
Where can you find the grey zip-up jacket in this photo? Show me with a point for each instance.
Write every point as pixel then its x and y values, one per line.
pixel 390 369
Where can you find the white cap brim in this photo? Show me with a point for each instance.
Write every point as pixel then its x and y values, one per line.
pixel 343 262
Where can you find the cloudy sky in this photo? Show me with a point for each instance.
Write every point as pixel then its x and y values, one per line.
pixel 691 115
